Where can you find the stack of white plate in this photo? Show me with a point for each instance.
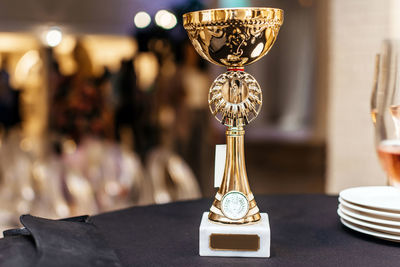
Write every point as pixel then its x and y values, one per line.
pixel 372 210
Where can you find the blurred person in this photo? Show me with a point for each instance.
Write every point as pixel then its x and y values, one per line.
pixel 196 84
pixel 132 113
pixel 98 174
pixel 183 107
pixel 78 105
pixel 172 177
pixel 9 98
pixel 172 110
pixel 104 84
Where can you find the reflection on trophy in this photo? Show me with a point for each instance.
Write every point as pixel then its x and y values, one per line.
pixel 234 38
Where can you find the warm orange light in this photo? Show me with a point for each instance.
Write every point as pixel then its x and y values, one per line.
pixel 63 54
pixel 17 42
pixel 66 45
pixel 146 66
pixel 106 50
pixel 24 65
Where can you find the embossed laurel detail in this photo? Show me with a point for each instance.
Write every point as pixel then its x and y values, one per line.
pixel 235 98
pixel 249 22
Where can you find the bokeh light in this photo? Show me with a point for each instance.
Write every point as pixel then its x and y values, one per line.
pixel 165 19
pixel 53 37
pixel 142 20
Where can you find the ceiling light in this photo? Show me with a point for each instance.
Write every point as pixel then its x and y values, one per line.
pixel 53 37
pixel 142 20
pixel 165 19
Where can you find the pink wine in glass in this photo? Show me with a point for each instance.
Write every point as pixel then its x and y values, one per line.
pixel 389 154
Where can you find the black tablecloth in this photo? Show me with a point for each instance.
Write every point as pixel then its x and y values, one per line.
pixel 305 231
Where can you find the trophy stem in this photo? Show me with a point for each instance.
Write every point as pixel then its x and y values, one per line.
pixel 234 179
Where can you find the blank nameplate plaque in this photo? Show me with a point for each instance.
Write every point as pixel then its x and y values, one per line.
pixel 234 242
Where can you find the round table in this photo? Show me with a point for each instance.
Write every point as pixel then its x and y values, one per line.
pixel 305 231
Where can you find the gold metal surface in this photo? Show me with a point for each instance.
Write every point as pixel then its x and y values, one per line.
pixel 234 242
pixel 235 98
pixel 234 38
pixel 234 179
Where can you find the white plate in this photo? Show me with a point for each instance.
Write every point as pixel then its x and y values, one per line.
pixel 367 231
pixel 361 216
pixel 391 215
pixel 377 197
pixel 380 228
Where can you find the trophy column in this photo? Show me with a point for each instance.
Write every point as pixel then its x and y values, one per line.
pixel 235 187
pixel 235 98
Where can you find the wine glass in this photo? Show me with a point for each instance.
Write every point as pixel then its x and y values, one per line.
pixel 375 86
pixel 387 130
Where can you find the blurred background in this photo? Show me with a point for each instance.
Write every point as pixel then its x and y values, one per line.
pixel 103 104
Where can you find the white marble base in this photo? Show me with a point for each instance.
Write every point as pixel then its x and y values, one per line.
pixel 261 228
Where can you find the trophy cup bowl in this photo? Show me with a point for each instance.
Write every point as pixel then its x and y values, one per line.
pixel 234 38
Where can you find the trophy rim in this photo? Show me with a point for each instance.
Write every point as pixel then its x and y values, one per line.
pixel 221 15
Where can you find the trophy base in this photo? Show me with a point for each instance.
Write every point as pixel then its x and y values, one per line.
pixel 247 240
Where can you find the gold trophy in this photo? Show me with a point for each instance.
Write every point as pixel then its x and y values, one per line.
pixel 234 38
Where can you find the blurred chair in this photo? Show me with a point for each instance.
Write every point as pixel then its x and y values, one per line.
pixel 171 177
